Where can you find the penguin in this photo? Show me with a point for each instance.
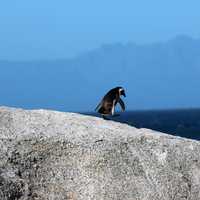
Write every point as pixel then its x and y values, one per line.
pixel 107 105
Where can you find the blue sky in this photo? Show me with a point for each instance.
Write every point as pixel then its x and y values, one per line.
pixel 47 29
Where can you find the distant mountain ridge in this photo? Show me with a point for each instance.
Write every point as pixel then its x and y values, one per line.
pixel 159 75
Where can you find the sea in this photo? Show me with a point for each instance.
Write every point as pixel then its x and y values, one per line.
pixel 179 122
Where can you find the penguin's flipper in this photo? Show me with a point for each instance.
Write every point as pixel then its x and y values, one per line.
pixel 122 104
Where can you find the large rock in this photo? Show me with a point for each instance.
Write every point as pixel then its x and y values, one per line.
pixel 53 155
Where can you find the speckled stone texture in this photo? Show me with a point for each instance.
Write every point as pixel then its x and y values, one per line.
pixel 67 156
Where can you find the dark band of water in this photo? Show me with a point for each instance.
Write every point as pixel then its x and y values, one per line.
pixel 182 122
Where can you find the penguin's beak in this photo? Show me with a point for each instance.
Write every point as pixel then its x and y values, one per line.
pixel 123 93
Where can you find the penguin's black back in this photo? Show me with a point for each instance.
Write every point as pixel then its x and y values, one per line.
pixel 112 94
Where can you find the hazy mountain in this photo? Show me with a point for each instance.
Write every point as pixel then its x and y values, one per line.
pixel 160 75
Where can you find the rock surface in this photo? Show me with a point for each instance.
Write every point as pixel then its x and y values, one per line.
pixel 53 155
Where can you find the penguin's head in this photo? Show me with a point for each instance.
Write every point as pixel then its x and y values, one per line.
pixel 122 91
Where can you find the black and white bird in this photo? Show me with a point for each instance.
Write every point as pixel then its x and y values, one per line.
pixel 107 105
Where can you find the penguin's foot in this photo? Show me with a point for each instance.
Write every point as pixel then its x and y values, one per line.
pixel 116 115
pixel 104 117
